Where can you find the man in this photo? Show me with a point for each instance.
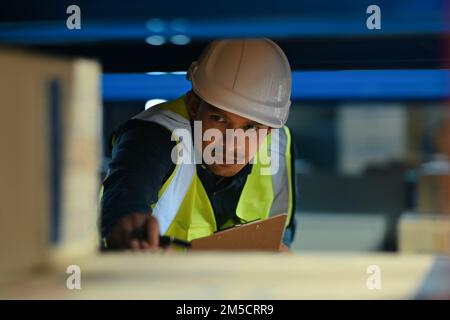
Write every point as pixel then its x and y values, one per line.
pixel 238 86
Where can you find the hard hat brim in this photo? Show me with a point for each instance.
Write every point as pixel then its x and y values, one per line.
pixel 231 102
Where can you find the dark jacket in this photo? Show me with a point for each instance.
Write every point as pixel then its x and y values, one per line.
pixel 141 163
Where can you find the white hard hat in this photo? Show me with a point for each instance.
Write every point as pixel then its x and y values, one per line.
pixel 248 77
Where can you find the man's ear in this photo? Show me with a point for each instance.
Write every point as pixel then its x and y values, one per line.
pixel 192 102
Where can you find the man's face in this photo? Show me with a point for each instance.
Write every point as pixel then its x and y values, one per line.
pixel 239 148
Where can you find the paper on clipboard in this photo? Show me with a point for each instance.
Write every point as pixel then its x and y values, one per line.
pixel 260 235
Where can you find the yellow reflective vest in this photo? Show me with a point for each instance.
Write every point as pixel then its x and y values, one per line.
pixel 183 208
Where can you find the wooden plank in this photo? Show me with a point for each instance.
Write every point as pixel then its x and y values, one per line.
pixel 230 276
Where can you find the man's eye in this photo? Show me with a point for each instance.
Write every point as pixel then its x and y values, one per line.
pixel 249 127
pixel 217 118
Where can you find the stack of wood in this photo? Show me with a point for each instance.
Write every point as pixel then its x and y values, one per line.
pixel 50 121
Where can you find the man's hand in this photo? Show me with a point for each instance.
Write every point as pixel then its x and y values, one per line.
pixel 284 248
pixel 137 231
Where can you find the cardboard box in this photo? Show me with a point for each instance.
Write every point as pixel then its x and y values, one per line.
pixel 424 233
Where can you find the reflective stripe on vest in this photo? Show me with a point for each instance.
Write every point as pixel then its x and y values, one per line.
pixel 183 208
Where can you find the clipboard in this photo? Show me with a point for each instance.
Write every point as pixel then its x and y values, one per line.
pixel 260 235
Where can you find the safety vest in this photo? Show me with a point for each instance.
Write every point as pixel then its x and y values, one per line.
pixel 183 208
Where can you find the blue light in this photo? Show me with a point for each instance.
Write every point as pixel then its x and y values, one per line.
pixel 156 40
pixel 180 39
pixel 156 73
pixel 137 87
pixel 156 25
pixel 277 28
pixel 307 85
pixel 179 25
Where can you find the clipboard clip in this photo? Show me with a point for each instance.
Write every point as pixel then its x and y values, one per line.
pixel 237 225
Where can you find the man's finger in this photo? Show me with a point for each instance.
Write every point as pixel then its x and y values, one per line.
pixel 126 229
pixel 153 232
pixel 144 245
pixel 134 244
